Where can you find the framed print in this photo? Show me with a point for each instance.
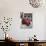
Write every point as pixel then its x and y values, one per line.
pixel 26 20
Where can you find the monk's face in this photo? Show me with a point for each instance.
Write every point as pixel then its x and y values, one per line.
pixel 27 20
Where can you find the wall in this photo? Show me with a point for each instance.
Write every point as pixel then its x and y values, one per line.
pixel 12 8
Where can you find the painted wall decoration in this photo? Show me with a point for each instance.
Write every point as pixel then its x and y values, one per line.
pixel 6 24
pixel 35 3
pixel 26 20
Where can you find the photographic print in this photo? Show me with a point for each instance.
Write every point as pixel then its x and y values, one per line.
pixel 26 20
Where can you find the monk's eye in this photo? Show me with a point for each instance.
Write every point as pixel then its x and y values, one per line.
pixel 24 16
pixel 28 16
